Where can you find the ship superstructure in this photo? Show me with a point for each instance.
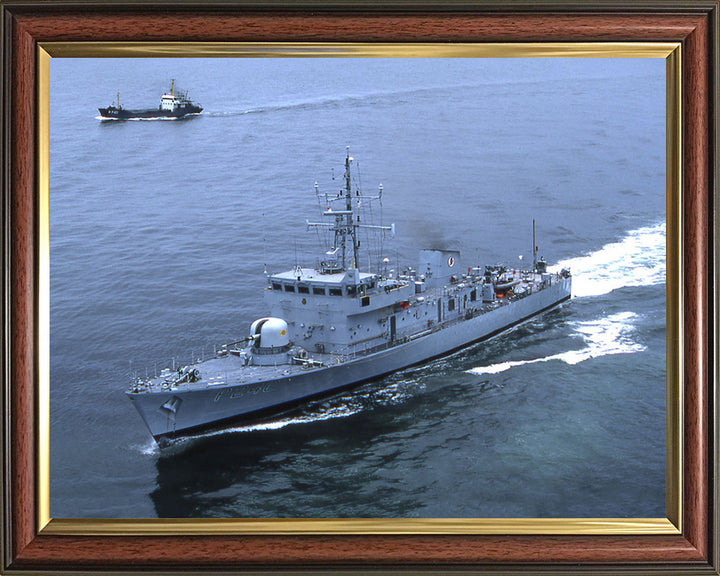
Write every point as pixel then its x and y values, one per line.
pixel 173 104
pixel 334 325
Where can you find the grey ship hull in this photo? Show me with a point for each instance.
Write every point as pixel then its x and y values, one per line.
pixel 199 408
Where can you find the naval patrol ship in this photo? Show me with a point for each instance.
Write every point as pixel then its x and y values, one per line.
pixel 334 325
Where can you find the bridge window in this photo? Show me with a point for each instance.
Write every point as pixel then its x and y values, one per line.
pixel 365 301
pixel 473 295
pixel 289 288
pixel 335 291
pixel 319 290
pixel 303 290
pixel 276 286
pixel 451 304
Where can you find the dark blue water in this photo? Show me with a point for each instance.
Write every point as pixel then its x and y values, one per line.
pixel 160 231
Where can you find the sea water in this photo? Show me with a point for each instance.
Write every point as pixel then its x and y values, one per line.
pixel 161 230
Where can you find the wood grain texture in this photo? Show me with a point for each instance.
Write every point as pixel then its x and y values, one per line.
pixel 22 292
pixel 257 27
pixel 643 553
pixel 697 201
pixel 225 551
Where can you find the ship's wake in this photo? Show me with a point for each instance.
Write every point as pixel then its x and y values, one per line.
pixel 636 260
pixel 605 336
pixel 377 97
pixel 359 99
pixel 322 102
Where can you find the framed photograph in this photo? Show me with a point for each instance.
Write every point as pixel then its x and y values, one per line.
pixel 348 288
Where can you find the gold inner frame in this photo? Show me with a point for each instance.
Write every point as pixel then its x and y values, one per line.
pixel 671 52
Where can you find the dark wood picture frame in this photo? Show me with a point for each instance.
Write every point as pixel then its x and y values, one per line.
pixel 693 24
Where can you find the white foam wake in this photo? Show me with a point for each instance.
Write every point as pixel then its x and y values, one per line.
pixel 325 414
pixel 636 260
pixel 150 448
pixel 340 407
pixel 610 335
pixel 338 412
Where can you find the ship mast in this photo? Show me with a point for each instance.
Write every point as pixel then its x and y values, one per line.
pixel 345 225
pixel 349 227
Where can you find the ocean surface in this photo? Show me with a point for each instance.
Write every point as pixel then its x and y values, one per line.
pixel 160 231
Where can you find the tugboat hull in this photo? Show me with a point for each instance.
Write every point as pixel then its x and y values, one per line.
pixel 112 113
pixel 176 412
pixel 172 105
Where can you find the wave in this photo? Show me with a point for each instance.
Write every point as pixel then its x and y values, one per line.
pixel 610 335
pixel 636 260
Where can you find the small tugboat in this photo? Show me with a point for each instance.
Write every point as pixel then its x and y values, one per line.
pixel 335 326
pixel 172 105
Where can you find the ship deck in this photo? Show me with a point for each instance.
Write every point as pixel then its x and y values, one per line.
pixel 230 370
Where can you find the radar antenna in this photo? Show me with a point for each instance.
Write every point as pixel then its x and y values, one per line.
pixel 346 224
